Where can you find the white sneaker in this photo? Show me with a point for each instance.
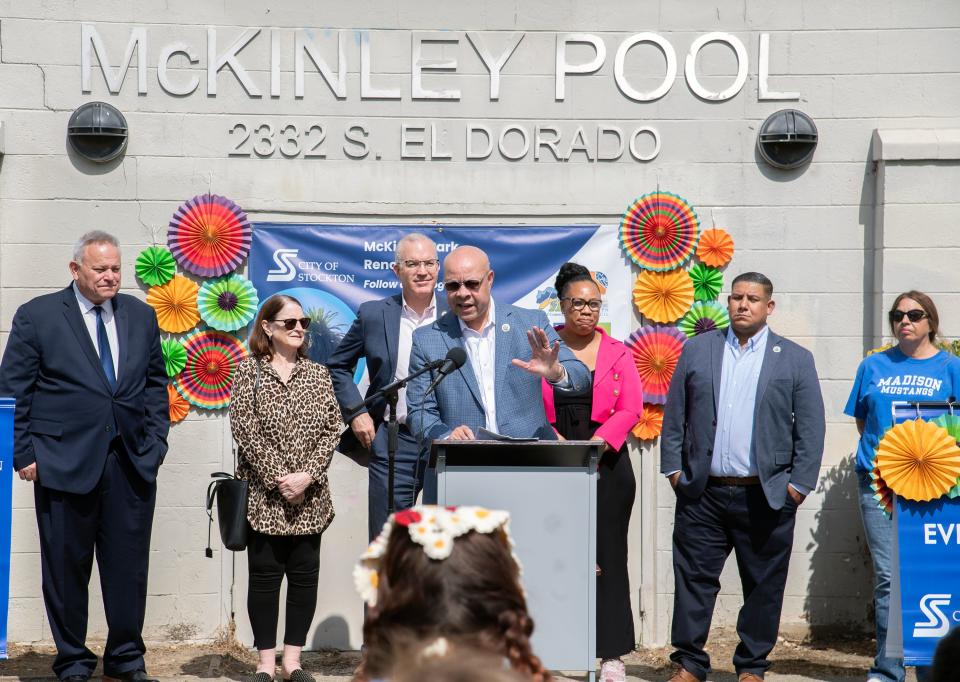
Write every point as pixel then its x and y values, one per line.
pixel 613 670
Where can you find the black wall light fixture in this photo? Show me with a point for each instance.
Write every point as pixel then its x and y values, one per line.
pixel 787 139
pixel 97 131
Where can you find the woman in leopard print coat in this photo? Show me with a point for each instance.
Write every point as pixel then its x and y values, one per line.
pixel 286 422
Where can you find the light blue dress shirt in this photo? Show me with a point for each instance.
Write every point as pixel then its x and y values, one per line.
pixel 733 453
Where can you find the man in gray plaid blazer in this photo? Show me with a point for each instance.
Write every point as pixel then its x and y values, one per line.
pixel 509 349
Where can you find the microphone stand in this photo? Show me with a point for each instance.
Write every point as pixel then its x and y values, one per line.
pixel 391 392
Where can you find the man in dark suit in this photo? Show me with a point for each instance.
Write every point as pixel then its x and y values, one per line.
pixel 742 440
pixel 382 334
pixel 90 431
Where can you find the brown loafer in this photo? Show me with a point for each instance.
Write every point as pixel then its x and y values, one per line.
pixel 681 674
pixel 749 677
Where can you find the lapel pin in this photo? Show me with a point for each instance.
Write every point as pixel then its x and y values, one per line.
pixel 505 328
pixel 776 349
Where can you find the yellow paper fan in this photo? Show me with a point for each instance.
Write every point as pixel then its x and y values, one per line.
pixel 663 296
pixel 918 460
pixel 176 304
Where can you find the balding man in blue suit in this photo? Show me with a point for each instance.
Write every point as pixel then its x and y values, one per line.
pixel 508 349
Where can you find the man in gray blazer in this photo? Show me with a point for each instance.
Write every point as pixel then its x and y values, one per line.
pixel 508 350
pixel 742 440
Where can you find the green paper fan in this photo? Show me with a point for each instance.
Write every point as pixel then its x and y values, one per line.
pixel 707 282
pixel 174 356
pixel 952 424
pixel 155 266
pixel 227 303
pixel 703 317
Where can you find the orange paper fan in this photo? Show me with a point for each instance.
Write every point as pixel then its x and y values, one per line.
pixel 176 304
pixel 715 248
pixel 919 460
pixel 178 406
pixel 663 296
pixel 651 422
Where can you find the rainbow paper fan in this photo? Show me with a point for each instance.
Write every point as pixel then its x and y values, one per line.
pixel 650 424
pixel 882 494
pixel 209 235
pixel 174 356
pixel 703 317
pixel 155 266
pixel 178 406
pixel 919 460
pixel 663 296
pixel 707 282
pixel 659 231
pixel 715 248
pixel 212 358
pixel 176 304
pixel 227 303
pixel 656 350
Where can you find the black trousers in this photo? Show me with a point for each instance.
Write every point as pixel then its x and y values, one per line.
pixel 616 489
pixel 269 558
pixel 705 530
pixel 113 521
pixel 409 469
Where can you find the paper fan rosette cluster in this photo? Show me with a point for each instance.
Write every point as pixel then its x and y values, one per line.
pixel 212 359
pixel 656 350
pixel 919 460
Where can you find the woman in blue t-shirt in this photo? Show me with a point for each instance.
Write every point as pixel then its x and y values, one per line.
pixel 914 370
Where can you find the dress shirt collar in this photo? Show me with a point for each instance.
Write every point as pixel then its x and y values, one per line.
pixel 406 309
pixel 86 305
pixel 753 343
pixel 491 319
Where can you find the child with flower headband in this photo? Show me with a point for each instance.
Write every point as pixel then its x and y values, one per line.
pixel 440 578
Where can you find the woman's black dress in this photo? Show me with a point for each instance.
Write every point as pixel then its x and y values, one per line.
pixel 616 489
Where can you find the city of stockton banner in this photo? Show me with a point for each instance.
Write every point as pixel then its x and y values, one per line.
pixel 332 269
pixel 6 492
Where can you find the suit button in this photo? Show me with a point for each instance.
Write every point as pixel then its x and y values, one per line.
pixel 616 391
pixel 612 410
pixel 714 422
pixel 616 377
pixel 108 429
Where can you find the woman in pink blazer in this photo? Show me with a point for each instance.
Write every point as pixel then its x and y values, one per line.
pixel 607 411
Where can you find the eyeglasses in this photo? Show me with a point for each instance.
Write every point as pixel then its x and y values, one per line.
pixel 429 263
pixel 291 322
pixel 471 284
pixel 912 315
pixel 594 303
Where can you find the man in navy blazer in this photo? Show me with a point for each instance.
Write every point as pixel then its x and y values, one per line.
pixel 742 440
pixel 508 350
pixel 90 431
pixel 382 333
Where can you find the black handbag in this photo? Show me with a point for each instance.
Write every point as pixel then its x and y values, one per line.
pixel 230 494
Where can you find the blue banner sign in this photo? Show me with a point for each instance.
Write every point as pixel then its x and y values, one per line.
pixel 6 492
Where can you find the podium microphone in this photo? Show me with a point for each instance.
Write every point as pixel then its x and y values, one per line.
pixel 456 357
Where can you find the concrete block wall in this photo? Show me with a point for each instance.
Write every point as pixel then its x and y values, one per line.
pixel 839 238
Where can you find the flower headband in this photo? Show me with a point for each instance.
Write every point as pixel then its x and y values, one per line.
pixel 435 529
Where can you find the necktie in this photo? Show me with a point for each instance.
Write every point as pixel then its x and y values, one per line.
pixel 103 346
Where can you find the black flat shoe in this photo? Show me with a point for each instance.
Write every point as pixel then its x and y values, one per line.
pixel 261 677
pixel 299 676
pixel 132 676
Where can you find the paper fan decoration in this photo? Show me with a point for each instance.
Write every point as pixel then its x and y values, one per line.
pixel 212 358
pixel 663 296
pixel 155 266
pixel 174 356
pixel 227 303
pixel 919 460
pixel 879 349
pixel 659 231
pixel 656 350
pixel 882 494
pixel 952 424
pixel 176 304
pixel 704 316
pixel 178 406
pixel 209 235
pixel 707 282
pixel 715 248
pixel 650 424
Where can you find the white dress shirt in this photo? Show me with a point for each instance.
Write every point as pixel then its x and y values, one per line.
pixel 482 351
pixel 90 321
pixel 410 320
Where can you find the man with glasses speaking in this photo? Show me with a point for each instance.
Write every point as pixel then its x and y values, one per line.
pixel 382 334
pixel 508 350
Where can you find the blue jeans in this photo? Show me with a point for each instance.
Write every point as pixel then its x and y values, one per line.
pixel 879 532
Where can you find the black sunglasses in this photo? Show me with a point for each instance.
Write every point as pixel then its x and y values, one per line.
pixel 471 284
pixel 912 315
pixel 291 322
